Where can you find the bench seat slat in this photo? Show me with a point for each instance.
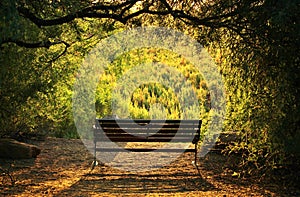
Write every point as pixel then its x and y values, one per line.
pixel 128 139
pixel 147 132
pixel 159 121
pixel 146 129
pixel 143 150
pixel 171 135
pixel 148 126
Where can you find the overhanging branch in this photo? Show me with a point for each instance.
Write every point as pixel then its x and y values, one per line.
pixel 40 44
pixel 96 11
pixel 123 12
pixel 62 53
pixel 118 13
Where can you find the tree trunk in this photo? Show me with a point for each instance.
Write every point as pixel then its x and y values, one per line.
pixel 12 149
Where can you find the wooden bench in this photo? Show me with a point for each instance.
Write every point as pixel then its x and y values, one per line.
pixel 145 131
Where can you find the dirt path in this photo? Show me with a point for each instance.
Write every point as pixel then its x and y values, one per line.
pixel 63 169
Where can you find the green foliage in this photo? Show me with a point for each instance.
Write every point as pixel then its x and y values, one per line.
pixel 149 94
pixel 36 84
pixel 153 99
pixel 262 95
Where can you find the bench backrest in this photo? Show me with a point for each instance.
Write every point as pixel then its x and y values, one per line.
pixel 139 130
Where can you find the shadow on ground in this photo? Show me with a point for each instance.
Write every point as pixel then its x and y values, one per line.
pixel 117 183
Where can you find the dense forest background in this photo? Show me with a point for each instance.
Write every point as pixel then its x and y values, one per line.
pixel 254 43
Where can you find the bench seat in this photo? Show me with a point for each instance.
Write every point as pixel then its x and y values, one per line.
pixel 147 131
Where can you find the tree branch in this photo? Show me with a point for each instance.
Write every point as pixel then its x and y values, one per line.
pixel 96 11
pixel 21 43
pixel 62 53
pixel 228 18
pixel 25 12
pixel 117 12
pixel 40 44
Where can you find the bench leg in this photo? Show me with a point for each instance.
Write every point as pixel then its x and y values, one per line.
pixel 94 163
pixel 196 152
pixel 195 162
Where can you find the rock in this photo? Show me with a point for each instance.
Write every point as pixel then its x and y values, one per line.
pixel 12 149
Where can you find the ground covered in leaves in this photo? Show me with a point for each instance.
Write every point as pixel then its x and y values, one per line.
pixel 64 169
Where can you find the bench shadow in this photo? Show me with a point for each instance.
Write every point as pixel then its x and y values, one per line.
pixel 136 183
